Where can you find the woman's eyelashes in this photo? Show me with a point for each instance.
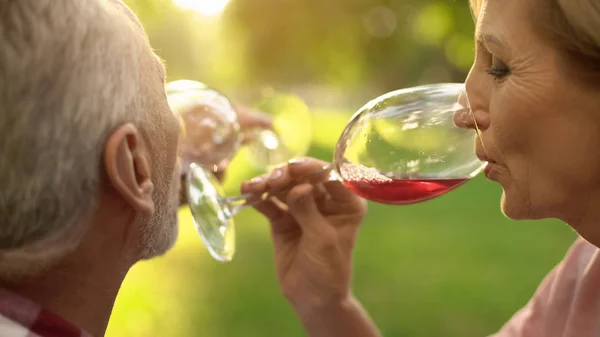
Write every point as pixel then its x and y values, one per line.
pixel 498 68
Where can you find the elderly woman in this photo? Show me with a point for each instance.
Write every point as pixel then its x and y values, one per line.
pixel 534 91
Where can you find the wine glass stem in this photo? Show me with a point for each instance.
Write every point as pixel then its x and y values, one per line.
pixel 233 205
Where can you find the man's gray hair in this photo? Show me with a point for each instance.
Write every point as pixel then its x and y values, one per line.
pixel 69 75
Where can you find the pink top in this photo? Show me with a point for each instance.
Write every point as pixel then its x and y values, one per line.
pixel 567 303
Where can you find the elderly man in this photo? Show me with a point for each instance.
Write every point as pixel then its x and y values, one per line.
pixel 89 180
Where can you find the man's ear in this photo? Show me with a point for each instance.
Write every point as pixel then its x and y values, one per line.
pixel 128 168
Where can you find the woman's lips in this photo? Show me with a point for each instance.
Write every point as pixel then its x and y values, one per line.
pixel 490 166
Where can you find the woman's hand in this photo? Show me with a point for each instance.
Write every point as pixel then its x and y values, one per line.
pixel 314 223
pixel 314 226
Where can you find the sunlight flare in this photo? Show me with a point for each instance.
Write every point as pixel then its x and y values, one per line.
pixel 204 7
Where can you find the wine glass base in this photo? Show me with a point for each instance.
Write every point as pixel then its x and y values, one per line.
pixel 211 216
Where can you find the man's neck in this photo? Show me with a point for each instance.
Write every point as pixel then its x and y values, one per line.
pixel 81 294
pixel 83 286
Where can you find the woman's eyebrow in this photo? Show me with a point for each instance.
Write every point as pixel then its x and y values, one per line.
pixel 487 39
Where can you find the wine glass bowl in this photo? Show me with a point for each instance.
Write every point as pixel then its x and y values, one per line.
pixel 403 147
pixel 210 123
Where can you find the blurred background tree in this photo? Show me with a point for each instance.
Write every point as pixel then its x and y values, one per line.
pixel 362 46
pixel 453 266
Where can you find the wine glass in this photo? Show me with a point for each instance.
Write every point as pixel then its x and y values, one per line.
pixel 212 136
pixel 267 147
pixel 400 148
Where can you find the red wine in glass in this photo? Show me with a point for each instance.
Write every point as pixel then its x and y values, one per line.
pixel 387 188
pixel 402 191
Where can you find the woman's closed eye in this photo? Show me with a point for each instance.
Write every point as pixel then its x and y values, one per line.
pixel 498 68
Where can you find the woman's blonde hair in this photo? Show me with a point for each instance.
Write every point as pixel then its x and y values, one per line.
pixel 572 26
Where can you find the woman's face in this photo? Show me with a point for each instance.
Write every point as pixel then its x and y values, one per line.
pixel 539 125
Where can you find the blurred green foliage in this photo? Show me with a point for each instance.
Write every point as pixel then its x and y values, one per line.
pixel 350 44
pixel 450 267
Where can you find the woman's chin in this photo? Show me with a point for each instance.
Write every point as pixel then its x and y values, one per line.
pixel 514 207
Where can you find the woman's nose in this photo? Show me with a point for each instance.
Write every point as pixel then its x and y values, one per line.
pixel 466 119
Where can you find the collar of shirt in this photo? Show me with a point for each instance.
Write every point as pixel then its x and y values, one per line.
pixel 20 317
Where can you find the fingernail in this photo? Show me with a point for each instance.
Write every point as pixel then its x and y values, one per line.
pixel 276 174
pixel 297 161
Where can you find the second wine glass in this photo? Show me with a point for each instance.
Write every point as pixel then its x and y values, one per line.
pixel 212 136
